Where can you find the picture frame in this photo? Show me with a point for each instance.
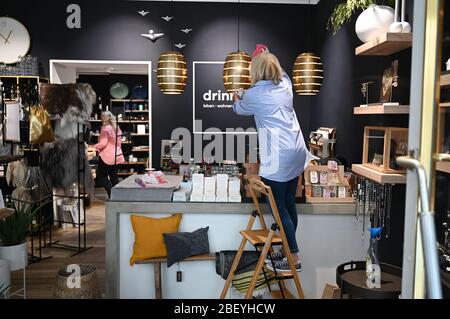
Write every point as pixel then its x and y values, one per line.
pixel 386 85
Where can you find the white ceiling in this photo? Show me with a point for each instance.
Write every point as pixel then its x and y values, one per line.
pixel 245 1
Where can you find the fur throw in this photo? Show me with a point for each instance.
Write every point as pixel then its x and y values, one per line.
pixel 71 102
pixel 59 164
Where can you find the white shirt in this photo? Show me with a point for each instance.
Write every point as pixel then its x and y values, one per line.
pixel 283 153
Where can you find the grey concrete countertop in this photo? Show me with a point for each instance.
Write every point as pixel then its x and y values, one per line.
pixel 220 208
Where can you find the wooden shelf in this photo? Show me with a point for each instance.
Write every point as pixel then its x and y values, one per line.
pixel 443 167
pixel 136 134
pixel 134 163
pixel 136 111
pixel 445 79
pixel 378 177
pixel 334 200
pixel 140 150
pixel 381 109
pixel 124 122
pixel 126 174
pixel 128 100
pixel 386 44
pixel 445 104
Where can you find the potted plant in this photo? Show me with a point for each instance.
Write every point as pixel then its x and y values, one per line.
pixel 375 18
pixel 14 231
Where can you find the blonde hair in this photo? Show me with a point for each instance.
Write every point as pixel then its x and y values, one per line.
pixel 109 118
pixel 265 66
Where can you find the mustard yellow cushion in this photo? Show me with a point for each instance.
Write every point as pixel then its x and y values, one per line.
pixel 148 236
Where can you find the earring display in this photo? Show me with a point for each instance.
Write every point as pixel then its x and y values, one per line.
pixel 323 184
pixel 313 177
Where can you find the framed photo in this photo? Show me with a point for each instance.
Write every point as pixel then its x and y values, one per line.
pixel 386 85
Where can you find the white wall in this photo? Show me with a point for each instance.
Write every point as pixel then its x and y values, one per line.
pixel 325 242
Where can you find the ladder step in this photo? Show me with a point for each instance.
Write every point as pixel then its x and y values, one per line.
pixel 276 294
pixel 279 275
pixel 259 237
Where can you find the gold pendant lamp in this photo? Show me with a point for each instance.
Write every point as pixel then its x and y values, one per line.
pixel 308 74
pixel 236 70
pixel 171 73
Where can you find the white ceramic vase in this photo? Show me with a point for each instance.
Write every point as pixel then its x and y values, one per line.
pixel 16 255
pixel 5 274
pixel 374 21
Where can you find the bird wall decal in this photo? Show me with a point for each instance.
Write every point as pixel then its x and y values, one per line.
pixel 186 30
pixel 143 13
pixel 167 18
pixel 152 36
pixel 180 45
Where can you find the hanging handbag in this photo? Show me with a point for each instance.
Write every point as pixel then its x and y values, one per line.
pixel 41 130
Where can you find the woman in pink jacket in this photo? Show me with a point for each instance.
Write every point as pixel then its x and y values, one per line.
pixel 110 152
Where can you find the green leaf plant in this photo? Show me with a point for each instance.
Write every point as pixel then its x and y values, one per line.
pixel 343 12
pixel 15 229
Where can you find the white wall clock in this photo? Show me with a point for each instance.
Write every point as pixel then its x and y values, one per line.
pixel 14 40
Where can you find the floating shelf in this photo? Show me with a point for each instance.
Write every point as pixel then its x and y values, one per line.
pixel 378 177
pixel 136 111
pixel 136 134
pixel 140 150
pixel 386 44
pixel 443 167
pixel 445 104
pixel 445 79
pixel 381 109
pixel 128 100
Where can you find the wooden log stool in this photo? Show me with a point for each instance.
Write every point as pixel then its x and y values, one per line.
pixel 68 286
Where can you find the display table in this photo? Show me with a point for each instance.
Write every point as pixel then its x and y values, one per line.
pixel 319 225
pixel 351 278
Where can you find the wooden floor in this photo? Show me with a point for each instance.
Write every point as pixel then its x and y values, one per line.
pixel 40 276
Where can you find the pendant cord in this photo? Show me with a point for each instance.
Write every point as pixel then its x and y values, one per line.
pixel 239 24
pixel 309 25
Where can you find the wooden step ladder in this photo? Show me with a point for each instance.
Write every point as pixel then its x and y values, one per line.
pixel 265 238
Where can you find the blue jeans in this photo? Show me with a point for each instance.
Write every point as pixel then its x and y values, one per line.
pixel 284 194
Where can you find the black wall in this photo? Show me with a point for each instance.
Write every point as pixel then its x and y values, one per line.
pixel 111 31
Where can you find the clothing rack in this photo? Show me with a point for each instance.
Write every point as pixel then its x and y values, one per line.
pixel 27 95
pixel 81 198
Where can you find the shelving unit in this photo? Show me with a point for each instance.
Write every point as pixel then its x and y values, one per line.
pixel 445 79
pixel 443 167
pixel 136 111
pixel 128 100
pixel 385 44
pixel 381 109
pixel 378 177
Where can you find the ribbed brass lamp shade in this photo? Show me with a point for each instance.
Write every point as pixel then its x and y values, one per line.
pixel 236 71
pixel 308 74
pixel 171 72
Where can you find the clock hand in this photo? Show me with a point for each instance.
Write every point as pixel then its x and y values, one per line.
pixel 7 39
pixel 1 35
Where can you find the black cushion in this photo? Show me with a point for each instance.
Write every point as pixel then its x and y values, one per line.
pixel 183 245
